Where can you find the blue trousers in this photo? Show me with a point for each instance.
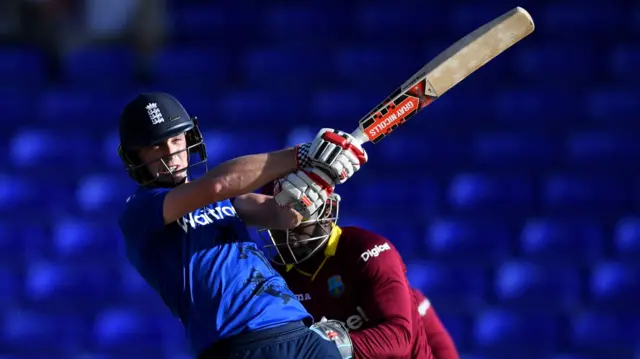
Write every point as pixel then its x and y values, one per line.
pixel 289 341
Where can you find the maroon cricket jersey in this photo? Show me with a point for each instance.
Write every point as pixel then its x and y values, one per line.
pixel 361 281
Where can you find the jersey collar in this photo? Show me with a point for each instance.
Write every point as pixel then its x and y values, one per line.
pixel 329 251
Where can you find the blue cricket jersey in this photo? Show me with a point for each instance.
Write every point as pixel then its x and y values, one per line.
pixel 206 269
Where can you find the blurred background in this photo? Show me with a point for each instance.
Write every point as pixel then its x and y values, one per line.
pixel 514 198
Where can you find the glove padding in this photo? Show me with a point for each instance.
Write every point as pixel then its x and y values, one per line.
pixel 336 332
pixel 336 152
pixel 305 191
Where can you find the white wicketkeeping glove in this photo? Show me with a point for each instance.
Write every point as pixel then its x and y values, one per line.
pixel 337 152
pixel 336 332
pixel 305 191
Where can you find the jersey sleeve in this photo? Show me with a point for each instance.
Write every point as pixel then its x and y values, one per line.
pixel 439 340
pixel 386 299
pixel 143 214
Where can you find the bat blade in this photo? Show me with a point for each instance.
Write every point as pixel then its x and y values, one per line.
pixel 442 73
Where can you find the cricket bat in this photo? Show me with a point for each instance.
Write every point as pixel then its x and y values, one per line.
pixel 443 72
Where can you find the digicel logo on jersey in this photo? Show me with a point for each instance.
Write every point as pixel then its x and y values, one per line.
pixel 393 116
pixel 356 321
pixel 375 251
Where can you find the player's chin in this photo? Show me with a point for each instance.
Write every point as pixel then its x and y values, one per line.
pixel 169 178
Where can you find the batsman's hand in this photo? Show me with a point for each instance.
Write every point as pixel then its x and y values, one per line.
pixel 336 152
pixel 336 332
pixel 305 191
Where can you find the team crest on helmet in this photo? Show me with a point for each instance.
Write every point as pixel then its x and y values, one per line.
pixel 336 287
pixel 154 113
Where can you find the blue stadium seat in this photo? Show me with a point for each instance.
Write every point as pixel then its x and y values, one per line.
pixel 615 284
pixel 223 146
pixel 113 326
pixel 362 68
pixel 599 330
pixel 465 18
pixel 341 106
pixel 96 192
pixel 110 151
pixel 456 325
pixel 562 240
pixel 197 67
pixel 409 148
pixel 614 106
pixel 68 285
pixel 16 192
pixel 573 63
pixel 49 149
pixel 393 26
pixel 527 285
pixel 531 107
pixel 300 134
pixel 45 280
pixel 16 105
pixel 468 240
pixel 627 237
pixel 418 196
pixel 635 19
pixel 622 62
pixel 516 150
pixel 27 327
pixel 591 148
pixel 121 331
pixel 564 191
pixel 495 328
pixel 21 68
pixel 202 22
pixel 67 107
pixel 258 108
pixel 132 283
pixel 177 355
pixel 575 356
pixel 25 240
pixel 99 65
pixel 287 24
pixel 10 284
pixel 479 191
pixel 77 238
pixel 285 68
pixel 11 244
pixel 454 287
pixel 592 21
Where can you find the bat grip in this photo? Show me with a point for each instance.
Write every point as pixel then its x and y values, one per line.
pixel 359 136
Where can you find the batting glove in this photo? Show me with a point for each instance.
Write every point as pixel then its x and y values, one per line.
pixel 305 191
pixel 336 332
pixel 336 152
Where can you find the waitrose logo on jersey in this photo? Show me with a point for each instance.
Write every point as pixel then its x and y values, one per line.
pixel 375 251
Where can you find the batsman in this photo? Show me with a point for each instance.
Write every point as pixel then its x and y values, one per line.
pixel 187 236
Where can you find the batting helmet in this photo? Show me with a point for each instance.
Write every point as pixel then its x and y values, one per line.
pixel 149 119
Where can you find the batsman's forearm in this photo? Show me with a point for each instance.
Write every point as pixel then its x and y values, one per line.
pixel 247 173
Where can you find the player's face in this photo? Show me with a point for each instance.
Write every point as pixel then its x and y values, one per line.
pixel 301 241
pixel 167 161
pixel 298 236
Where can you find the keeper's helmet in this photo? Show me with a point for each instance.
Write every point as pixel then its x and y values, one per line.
pixel 149 120
pixel 296 245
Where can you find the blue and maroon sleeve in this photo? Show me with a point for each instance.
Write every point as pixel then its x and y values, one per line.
pixel 388 300
pixel 441 343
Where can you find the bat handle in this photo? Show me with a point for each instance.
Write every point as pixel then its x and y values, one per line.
pixel 359 136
